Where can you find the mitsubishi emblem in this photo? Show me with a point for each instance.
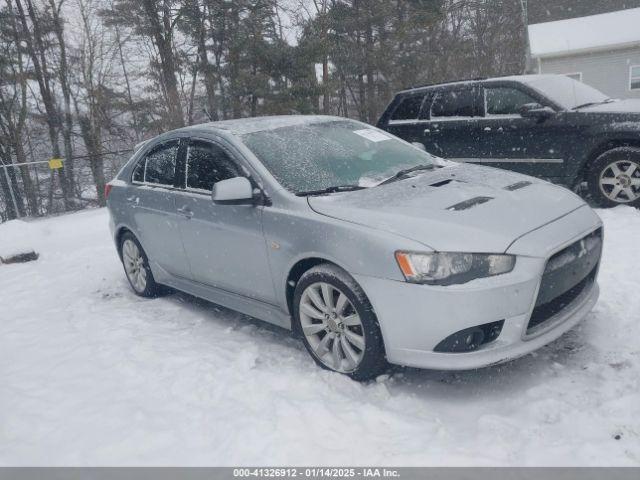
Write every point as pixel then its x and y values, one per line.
pixel 583 249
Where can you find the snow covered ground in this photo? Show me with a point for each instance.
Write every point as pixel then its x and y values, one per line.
pixel 92 375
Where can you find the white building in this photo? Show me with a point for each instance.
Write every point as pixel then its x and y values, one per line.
pixel 600 50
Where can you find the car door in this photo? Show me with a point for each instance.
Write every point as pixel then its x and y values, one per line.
pixel 152 203
pixel 224 243
pixel 452 130
pixel 527 145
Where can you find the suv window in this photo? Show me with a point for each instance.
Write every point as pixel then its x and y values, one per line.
pixel 408 108
pixel 455 103
pixel 159 166
pixel 506 100
pixel 207 164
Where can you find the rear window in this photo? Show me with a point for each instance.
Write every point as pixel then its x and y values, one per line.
pixel 160 165
pixel 455 103
pixel 408 108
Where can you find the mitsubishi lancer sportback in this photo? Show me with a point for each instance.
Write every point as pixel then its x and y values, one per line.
pixel 372 250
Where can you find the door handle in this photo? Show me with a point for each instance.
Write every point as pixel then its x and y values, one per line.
pixel 185 211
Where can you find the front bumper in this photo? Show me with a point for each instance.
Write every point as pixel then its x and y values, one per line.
pixel 415 318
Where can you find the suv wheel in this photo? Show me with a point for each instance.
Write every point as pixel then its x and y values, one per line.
pixel 136 267
pixel 338 325
pixel 614 178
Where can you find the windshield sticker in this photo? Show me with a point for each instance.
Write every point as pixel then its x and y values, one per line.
pixel 372 135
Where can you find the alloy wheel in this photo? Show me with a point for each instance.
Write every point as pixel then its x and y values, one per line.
pixel 134 265
pixel 620 181
pixel 332 327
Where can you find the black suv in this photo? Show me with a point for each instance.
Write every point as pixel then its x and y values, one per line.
pixel 548 126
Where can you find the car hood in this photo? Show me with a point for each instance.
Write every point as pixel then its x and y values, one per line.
pixel 461 207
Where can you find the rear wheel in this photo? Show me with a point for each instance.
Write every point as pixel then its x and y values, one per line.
pixel 614 178
pixel 338 325
pixel 136 267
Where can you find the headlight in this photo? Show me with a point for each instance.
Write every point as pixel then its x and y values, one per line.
pixel 446 268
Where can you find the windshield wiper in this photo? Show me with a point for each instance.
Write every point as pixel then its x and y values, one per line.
pixel 405 173
pixel 590 104
pixel 334 189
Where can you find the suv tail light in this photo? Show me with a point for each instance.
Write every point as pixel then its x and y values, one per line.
pixel 107 190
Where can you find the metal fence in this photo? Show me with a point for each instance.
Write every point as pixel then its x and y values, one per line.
pixel 33 189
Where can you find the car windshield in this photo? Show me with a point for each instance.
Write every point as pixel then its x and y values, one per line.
pixel 567 92
pixel 318 156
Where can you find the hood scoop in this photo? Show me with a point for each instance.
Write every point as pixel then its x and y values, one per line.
pixel 442 183
pixel 467 204
pixel 517 186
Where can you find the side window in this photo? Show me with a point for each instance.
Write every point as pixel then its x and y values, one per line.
pixel 455 103
pixel 161 164
pixel 506 100
pixel 207 164
pixel 408 108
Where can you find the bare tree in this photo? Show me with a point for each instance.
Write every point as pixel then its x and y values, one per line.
pixel 63 76
pixel 156 21
pixel 95 60
pixel 13 111
pixel 34 40
pixel 161 21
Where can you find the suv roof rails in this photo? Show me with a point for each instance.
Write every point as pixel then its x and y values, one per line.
pixel 447 82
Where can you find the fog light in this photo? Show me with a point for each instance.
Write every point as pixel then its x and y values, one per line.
pixel 470 339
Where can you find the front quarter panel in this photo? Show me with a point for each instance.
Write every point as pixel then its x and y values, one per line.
pixel 597 133
pixel 297 233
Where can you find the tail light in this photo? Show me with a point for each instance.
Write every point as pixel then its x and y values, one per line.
pixel 107 190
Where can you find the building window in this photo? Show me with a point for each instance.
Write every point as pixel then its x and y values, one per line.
pixel 576 76
pixel 634 80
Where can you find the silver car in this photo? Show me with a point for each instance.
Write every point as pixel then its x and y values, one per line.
pixel 371 249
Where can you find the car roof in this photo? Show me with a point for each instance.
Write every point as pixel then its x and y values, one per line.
pixel 243 126
pixel 526 79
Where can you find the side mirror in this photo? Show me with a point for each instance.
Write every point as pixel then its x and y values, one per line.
pixel 537 111
pixel 235 190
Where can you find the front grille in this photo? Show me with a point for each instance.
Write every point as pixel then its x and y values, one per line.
pixel 567 274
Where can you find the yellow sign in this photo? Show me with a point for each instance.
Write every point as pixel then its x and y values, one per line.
pixel 55 163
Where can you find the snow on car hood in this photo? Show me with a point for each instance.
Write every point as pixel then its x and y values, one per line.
pixel 464 207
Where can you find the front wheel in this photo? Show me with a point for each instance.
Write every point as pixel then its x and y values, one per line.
pixel 339 327
pixel 614 178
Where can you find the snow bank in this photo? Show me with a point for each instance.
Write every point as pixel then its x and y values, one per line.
pixel 92 375
pixel 16 237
